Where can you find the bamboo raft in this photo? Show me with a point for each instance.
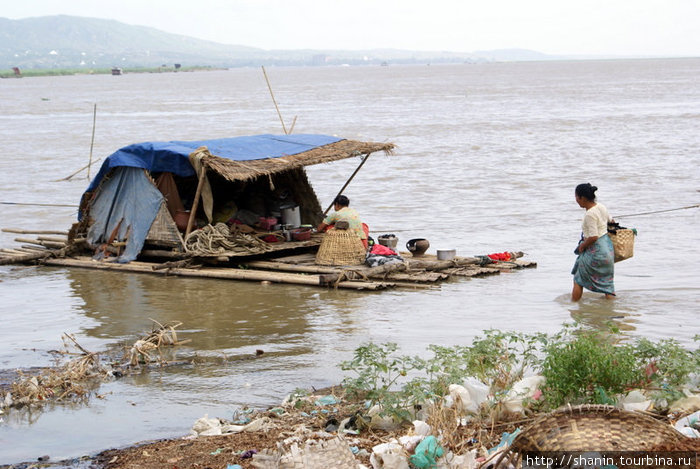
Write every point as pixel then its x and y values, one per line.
pixel 281 265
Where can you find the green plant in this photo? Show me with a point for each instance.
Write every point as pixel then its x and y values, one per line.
pixel 378 370
pixel 588 367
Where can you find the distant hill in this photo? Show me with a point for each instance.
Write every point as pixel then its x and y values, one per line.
pixel 76 42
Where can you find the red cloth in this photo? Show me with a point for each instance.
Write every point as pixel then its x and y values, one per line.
pixel 382 250
pixel 500 256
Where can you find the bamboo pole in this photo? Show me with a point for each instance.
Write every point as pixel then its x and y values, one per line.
pixel 47 244
pixel 195 203
pixel 52 239
pixel 347 182
pixel 68 178
pixel 220 273
pixel 92 140
pixel 39 232
pixel 274 101
pixel 283 266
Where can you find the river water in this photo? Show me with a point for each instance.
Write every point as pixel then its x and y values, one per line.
pixel 487 159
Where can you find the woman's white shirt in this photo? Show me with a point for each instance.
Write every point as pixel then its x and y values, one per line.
pixel 595 222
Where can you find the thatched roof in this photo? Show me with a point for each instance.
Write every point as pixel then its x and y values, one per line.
pixel 251 169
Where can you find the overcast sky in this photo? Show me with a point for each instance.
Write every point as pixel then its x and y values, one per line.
pixel 607 27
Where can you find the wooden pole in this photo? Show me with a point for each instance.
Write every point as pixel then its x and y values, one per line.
pixel 195 203
pixel 92 140
pixel 347 182
pixel 274 101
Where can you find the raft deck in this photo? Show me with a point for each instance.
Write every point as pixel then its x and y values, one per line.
pixel 288 262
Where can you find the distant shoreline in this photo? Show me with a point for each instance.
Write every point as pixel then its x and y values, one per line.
pixel 49 72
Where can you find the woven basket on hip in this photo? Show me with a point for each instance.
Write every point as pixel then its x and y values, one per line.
pixel 340 247
pixel 590 428
pixel 623 243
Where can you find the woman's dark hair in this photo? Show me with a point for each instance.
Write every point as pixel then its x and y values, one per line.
pixel 586 191
pixel 342 201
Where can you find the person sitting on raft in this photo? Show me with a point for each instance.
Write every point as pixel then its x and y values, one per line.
pixel 594 268
pixel 343 212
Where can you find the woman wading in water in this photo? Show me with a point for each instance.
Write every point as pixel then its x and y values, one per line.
pixel 595 265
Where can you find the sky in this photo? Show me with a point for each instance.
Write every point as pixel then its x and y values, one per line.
pixel 570 27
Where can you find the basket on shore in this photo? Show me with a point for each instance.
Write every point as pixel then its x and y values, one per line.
pixel 340 247
pixel 590 428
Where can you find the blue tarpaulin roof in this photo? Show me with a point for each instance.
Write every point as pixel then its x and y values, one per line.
pixel 173 156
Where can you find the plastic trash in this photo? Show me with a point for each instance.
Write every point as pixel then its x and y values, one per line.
pixel 326 400
pixel 379 421
pixel 388 456
pixel 207 427
pixel 460 399
pixel 635 400
pixel 427 453
pixel 478 391
pixel 461 461
pixel 523 389
pixel 506 441
pixel 234 466
pixel 421 428
pixel 689 425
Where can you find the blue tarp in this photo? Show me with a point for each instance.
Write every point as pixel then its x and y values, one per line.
pixel 126 205
pixel 173 156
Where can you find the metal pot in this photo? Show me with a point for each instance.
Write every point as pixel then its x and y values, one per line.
pixel 446 254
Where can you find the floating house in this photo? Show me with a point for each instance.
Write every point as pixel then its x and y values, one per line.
pixel 236 208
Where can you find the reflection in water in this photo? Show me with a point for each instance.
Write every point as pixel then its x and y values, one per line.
pixel 218 316
pixel 600 314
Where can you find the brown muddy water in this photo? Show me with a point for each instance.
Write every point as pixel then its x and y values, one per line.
pixel 487 160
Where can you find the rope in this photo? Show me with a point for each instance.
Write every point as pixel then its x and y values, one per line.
pixel 657 211
pixel 220 239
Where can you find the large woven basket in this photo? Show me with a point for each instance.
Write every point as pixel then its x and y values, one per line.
pixel 340 247
pixel 590 428
pixel 623 243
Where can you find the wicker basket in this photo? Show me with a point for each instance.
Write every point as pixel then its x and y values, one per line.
pixel 340 247
pixel 590 428
pixel 623 243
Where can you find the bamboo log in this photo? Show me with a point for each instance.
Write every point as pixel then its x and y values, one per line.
pixel 418 276
pixel 47 244
pixel 221 273
pixel 353 274
pixel 33 248
pixel 18 259
pixel 286 267
pixel 53 239
pixel 38 232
